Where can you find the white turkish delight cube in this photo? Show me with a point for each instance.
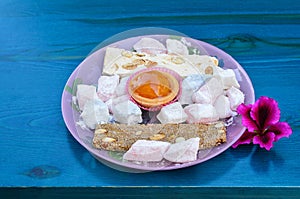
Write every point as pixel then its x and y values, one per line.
pixel 222 106
pixel 236 97
pixel 208 93
pixel 185 151
pixel 121 88
pixel 172 113
pixel 227 77
pixel 176 47
pixel 95 112
pixel 127 112
pixel 146 151
pixel 107 86
pixel 190 85
pixel 149 45
pixel 116 100
pixel 201 113
pixel 85 93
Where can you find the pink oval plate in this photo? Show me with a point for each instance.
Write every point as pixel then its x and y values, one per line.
pixel 89 71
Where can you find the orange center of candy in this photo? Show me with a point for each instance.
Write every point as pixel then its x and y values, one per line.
pixel 152 90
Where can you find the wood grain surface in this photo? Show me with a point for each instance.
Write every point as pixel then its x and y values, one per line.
pixel 42 42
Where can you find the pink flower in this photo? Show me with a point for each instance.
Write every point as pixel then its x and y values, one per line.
pixel 262 122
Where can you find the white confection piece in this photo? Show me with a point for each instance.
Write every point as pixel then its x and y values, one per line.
pixel 149 45
pixel 107 86
pixel 85 93
pixel 185 151
pixel 208 93
pixel 146 151
pixel 222 106
pixel 236 97
pixel 111 55
pixel 94 112
pixel 190 85
pixel 201 113
pixel 115 100
pixel 201 62
pixel 176 47
pixel 227 77
pixel 121 88
pixel 127 112
pixel 172 113
pixel 119 99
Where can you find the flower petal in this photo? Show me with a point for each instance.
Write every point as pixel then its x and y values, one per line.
pixel 280 129
pixel 265 141
pixel 265 112
pixel 247 121
pixel 246 138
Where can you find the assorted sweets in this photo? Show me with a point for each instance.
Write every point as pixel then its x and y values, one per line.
pixel 186 96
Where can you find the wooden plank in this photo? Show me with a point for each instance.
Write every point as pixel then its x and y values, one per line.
pixel 154 192
pixel 42 42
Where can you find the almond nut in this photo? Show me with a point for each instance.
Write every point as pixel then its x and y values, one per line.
pixel 129 66
pixel 215 60
pixel 139 61
pixel 177 60
pixel 140 54
pixel 127 54
pixel 100 131
pixel 158 136
pixel 150 63
pixel 108 140
pixel 209 70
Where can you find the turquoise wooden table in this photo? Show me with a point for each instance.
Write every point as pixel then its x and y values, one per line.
pixel 42 42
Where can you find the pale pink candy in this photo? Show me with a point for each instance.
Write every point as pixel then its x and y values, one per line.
pixel 85 93
pixel 201 113
pixel 236 97
pixel 107 86
pixel 149 45
pixel 146 151
pixel 176 47
pixel 227 77
pixel 222 106
pixel 185 151
pixel 208 93
pixel 172 113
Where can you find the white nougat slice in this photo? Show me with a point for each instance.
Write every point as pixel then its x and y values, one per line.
pixel 185 151
pixel 172 113
pixel 85 93
pixel 236 97
pixel 222 106
pixel 208 93
pixel 201 113
pixel 146 151
pixel 111 55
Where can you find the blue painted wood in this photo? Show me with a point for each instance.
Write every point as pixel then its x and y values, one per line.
pixel 42 42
